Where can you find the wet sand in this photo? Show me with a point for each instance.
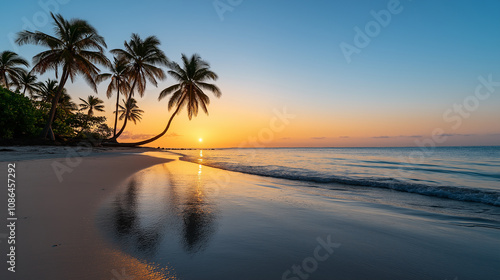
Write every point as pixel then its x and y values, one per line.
pixel 148 217
pixel 207 223
pixel 56 237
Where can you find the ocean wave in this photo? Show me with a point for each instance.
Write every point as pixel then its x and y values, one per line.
pixel 298 174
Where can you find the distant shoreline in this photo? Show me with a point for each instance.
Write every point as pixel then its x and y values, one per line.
pixel 36 152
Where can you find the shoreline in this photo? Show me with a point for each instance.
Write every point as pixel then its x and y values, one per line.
pixel 55 229
pixel 224 224
pixel 26 153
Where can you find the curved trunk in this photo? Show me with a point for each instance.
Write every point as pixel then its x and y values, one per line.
pixel 122 129
pixel 163 132
pixel 157 136
pixel 51 134
pixel 55 100
pixel 126 117
pixel 116 111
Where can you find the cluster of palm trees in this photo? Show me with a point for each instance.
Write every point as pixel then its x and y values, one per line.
pixel 24 82
pixel 12 72
pixel 76 49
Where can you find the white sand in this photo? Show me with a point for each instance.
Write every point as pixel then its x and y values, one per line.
pixel 51 213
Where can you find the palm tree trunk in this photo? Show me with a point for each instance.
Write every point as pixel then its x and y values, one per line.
pixel 5 80
pixel 24 91
pixel 51 134
pixel 126 115
pixel 123 127
pixel 116 111
pixel 55 100
pixel 163 132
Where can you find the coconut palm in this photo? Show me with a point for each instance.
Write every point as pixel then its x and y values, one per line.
pixel 75 49
pixel 131 110
pixel 48 90
pixel 144 58
pixel 118 76
pixel 10 70
pixel 92 103
pixel 66 104
pixel 192 78
pixel 28 84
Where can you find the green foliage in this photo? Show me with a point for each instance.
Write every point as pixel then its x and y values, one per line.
pixel 62 123
pixel 18 116
pixel 85 126
pixel 22 118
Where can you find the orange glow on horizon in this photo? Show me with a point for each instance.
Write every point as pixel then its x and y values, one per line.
pixel 243 123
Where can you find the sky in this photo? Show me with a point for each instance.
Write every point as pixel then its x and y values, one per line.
pixel 297 73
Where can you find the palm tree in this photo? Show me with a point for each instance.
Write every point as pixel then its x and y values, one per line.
pixel 119 81
pixel 92 103
pixel 144 58
pixel 48 90
pixel 75 48
pixel 66 104
pixel 131 110
pixel 28 83
pixel 188 92
pixel 10 72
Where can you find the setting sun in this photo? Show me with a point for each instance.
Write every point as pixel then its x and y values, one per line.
pixel 345 138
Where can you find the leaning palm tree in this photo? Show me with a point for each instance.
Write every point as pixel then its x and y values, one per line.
pixel 130 110
pixel 10 72
pixel 144 58
pixel 75 48
pixel 188 92
pixel 118 76
pixel 92 103
pixel 28 84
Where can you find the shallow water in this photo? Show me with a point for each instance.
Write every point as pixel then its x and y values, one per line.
pixel 457 173
pixel 207 223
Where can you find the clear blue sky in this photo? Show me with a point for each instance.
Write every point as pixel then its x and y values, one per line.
pixel 270 53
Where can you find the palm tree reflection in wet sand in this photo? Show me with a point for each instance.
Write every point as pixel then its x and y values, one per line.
pixel 127 223
pixel 198 218
pixel 185 210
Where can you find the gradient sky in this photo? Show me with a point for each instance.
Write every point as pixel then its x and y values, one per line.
pixel 272 55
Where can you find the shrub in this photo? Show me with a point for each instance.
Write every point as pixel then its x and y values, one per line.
pixel 18 115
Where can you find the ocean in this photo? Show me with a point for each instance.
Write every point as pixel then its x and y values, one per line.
pixel 453 174
pixel 394 213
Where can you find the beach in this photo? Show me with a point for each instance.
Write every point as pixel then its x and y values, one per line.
pixel 254 140
pixel 56 237
pixel 152 216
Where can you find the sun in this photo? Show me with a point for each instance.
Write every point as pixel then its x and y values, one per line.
pixel 200 140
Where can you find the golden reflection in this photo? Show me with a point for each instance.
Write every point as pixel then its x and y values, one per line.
pixel 201 155
pixel 199 169
pixel 132 268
